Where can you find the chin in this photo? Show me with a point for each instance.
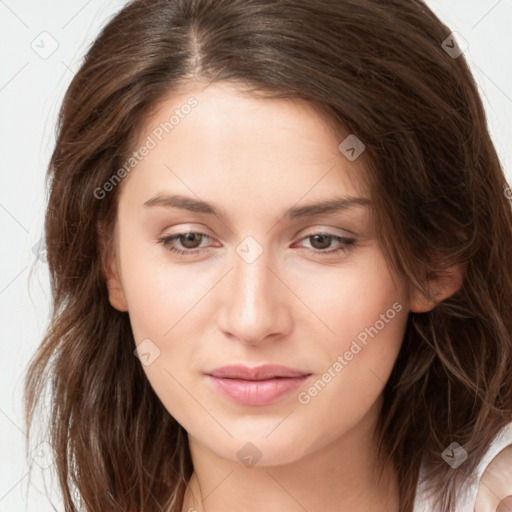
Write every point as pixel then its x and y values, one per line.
pixel 258 448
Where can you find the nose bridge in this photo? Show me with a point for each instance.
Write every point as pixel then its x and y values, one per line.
pixel 253 306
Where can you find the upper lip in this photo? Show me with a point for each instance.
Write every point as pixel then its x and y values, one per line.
pixel 265 371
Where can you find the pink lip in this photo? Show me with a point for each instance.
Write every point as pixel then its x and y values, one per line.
pixel 258 386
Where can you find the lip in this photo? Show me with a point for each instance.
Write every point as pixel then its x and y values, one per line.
pixel 262 372
pixel 262 385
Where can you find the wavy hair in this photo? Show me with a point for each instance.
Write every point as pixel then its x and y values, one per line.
pixel 375 68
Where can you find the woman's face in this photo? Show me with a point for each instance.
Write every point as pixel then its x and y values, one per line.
pixel 269 282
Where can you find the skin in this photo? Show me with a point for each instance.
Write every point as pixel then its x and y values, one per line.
pixel 293 305
pixel 495 489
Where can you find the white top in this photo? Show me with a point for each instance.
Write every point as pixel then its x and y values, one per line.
pixel 424 502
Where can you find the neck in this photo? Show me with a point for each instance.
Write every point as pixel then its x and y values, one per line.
pixel 340 476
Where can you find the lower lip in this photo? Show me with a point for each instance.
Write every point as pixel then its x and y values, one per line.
pixel 257 392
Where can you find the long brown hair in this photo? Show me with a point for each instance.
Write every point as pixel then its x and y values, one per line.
pixel 377 69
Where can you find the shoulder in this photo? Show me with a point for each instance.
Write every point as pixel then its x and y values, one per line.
pixel 495 486
pixel 489 487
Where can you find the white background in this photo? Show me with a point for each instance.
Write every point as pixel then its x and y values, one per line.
pixel 31 88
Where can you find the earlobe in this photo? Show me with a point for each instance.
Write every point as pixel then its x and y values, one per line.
pixel 440 287
pixel 115 288
pixel 116 294
pixel 111 273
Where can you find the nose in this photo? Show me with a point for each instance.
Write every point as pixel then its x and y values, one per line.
pixel 255 304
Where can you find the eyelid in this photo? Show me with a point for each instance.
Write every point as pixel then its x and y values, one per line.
pixel 325 230
pixel 180 229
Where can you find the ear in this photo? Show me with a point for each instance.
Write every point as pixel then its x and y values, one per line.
pixel 116 294
pixel 111 270
pixel 440 288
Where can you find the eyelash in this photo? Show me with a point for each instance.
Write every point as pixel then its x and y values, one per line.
pixel 345 241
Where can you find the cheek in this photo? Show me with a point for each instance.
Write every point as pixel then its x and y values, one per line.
pixel 351 299
pixel 355 376
pixel 159 294
pixel 368 315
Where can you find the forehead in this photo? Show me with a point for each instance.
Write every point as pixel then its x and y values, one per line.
pixel 220 140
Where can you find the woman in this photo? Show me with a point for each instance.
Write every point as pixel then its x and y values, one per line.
pixel 280 246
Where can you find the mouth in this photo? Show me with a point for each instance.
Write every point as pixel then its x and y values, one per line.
pixel 259 386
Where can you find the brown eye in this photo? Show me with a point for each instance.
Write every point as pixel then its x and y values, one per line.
pixel 188 243
pixel 322 243
pixel 190 240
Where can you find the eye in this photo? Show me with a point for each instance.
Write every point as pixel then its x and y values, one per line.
pixel 321 241
pixel 190 243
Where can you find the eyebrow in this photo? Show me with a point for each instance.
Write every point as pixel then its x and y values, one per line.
pixel 328 206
